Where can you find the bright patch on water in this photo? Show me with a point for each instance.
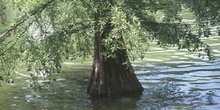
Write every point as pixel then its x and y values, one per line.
pixel 155 60
pixel 216 44
pixel 68 63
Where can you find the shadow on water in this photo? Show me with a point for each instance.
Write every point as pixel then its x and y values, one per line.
pixel 115 103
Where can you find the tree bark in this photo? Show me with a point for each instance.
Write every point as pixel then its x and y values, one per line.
pixel 110 76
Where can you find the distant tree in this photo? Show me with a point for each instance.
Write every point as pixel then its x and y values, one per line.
pixel 43 33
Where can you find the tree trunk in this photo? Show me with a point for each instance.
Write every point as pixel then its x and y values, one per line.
pixel 111 76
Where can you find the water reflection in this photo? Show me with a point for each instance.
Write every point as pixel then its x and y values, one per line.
pixel 166 96
pixel 168 85
pixel 195 86
pixel 187 86
pixel 115 103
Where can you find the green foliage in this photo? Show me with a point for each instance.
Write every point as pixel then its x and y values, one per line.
pixel 46 32
pixel 207 11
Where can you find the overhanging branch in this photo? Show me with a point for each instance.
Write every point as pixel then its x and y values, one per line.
pixel 72 28
pixel 37 10
pixel 67 31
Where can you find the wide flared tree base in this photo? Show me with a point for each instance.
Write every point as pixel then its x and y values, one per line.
pixel 113 77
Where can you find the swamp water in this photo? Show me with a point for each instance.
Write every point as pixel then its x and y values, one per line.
pixel 173 80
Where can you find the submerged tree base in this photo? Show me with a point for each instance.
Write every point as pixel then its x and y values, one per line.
pixel 113 77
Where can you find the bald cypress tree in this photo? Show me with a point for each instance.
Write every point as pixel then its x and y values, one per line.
pixel 43 33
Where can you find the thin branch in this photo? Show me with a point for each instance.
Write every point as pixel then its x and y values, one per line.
pixel 68 31
pixel 37 10
pixel 73 29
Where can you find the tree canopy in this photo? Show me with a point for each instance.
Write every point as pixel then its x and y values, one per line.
pixel 40 34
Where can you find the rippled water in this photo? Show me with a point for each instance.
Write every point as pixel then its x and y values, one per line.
pixel 181 82
pixel 180 85
pixel 170 84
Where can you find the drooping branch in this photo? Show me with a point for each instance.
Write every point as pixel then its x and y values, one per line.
pixel 67 31
pixel 177 34
pixel 37 10
pixel 73 28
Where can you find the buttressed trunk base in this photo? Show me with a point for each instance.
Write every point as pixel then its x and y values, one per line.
pixel 111 77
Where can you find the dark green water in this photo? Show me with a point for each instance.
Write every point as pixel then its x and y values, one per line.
pixel 184 85
pixel 173 80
